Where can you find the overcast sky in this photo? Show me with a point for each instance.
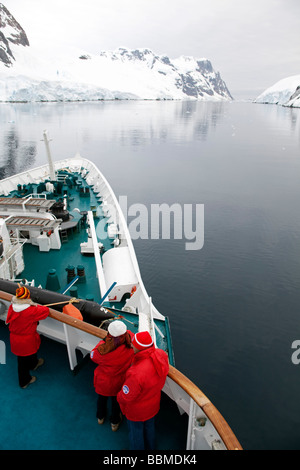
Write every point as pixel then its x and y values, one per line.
pixel 252 43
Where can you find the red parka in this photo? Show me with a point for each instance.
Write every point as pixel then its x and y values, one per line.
pixel 140 396
pixel 110 374
pixel 22 319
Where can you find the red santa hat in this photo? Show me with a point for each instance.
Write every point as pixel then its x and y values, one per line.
pixel 142 340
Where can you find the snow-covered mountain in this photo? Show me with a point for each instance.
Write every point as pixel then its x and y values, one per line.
pixel 286 92
pixel 10 33
pixel 46 73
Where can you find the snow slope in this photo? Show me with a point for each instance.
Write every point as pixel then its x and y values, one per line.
pixel 76 75
pixel 286 92
pixel 47 72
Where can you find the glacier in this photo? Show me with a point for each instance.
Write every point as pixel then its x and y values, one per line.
pixel 49 72
pixel 285 92
pixel 139 74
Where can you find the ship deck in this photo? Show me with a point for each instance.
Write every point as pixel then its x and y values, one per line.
pixel 58 411
pixel 38 263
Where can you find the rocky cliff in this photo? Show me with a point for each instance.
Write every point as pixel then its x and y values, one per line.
pixel 10 33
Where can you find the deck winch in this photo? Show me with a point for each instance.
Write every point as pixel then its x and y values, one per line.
pixel 81 274
pixel 71 272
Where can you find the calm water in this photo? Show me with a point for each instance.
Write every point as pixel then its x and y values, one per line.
pixel 234 304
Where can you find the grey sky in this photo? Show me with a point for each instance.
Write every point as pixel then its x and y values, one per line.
pixel 252 43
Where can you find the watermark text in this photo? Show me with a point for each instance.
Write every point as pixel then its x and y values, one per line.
pixel 2 353
pixel 158 221
pixel 296 354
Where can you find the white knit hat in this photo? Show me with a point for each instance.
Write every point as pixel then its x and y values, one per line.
pixel 117 328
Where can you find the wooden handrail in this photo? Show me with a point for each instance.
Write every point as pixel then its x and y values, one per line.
pixel 186 384
pixel 217 420
pixel 64 318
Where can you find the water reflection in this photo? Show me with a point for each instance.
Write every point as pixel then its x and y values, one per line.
pixel 16 155
pixel 201 117
pixel 294 115
pixel 105 130
pixel 285 119
pixel 128 124
pixel 136 124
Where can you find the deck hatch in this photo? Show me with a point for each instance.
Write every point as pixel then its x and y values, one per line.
pixel 27 203
pixel 26 223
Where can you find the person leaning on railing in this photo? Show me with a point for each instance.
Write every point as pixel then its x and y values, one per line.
pixel 140 395
pixel 22 318
pixel 113 355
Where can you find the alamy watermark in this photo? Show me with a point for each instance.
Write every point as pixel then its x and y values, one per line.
pixel 2 352
pixel 296 354
pixel 160 221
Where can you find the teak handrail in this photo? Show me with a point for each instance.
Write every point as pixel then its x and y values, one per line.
pixel 217 420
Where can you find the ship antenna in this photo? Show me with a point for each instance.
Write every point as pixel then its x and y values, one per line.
pixel 51 167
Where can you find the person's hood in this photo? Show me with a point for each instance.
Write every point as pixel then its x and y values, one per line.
pixel 160 362
pixel 18 306
pixel 159 359
pixel 24 302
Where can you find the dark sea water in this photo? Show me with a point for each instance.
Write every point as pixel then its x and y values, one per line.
pixel 234 304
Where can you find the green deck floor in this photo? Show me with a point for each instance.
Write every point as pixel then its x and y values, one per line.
pixel 57 412
pixel 38 264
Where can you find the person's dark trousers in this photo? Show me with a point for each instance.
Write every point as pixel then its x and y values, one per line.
pixel 25 365
pixel 102 409
pixel 142 434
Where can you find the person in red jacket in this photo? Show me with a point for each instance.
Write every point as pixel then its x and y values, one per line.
pixel 140 395
pixel 113 356
pixel 22 318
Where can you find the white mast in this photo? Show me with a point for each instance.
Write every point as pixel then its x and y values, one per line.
pixel 51 167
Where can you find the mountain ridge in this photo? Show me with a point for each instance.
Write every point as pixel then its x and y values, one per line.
pixel 30 73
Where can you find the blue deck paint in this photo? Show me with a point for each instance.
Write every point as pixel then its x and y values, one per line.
pixel 58 411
